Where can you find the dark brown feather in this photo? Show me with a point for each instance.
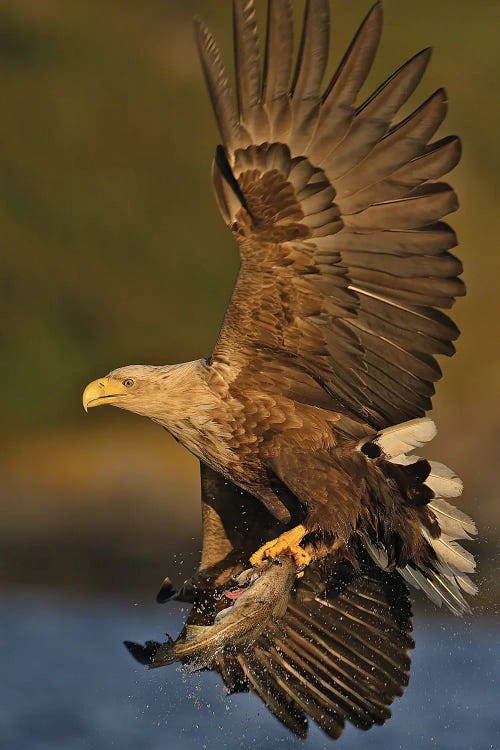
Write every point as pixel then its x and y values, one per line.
pixel 373 118
pixel 278 67
pixel 311 66
pixel 218 86
pixel 401 145
pixel 248 74
pixel 338 106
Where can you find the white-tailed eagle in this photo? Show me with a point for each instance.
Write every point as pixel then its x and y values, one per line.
pixel 306 417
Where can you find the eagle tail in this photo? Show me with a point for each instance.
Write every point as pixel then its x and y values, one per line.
pixel 444 578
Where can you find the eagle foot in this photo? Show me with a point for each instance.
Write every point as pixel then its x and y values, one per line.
pixel 287 543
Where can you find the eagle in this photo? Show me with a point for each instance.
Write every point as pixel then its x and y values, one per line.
pixel 308 413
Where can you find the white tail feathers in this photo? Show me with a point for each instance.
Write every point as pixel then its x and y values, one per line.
pixel 451 554
pixel 441 588
pixel 403 438
pixel 443 481
pixel 452 521
pixel 446 582
pixel 377 552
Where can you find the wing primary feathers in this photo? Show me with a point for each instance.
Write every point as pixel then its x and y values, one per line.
pixel 373 118
pixel 247 67
pixel 278 68
pixel 313 52
pixel 369 628
pixel 338 110
pixel 433 162
pixel 446 266
pixel 331 649
pixel 246 55
pixel 279 51
pixel 397 89
pixel 358 637
pixel 403 143
pixel 218 86
pixel 322 708
pixel 277 696
pixel 290 680
pixel 335 696
pixel 320 665
pixel 311 66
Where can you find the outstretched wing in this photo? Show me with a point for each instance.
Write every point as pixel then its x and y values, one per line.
pixel 344 257
pixel 341 651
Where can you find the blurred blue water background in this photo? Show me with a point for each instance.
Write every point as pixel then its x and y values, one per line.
pixel 69 683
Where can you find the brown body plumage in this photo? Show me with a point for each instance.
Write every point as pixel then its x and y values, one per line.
pixel 315 395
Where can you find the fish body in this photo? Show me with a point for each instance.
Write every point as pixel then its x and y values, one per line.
pixel 262 595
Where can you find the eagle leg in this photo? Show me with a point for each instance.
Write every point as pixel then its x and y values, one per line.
pixel 287 543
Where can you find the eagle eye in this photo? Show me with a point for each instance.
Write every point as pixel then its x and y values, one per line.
pixel 128 382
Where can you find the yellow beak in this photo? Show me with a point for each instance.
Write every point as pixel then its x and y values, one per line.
pixel 102 391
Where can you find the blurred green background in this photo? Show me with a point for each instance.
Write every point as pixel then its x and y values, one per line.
pixel 113 252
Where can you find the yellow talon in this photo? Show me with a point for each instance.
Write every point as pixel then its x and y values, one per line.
pixel 288 543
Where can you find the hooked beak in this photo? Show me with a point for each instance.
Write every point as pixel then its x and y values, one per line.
pixel 102 391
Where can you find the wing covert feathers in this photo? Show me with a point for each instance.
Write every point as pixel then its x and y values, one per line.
pixel 345 256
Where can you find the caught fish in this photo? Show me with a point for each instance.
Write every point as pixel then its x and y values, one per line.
pixel 261 594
